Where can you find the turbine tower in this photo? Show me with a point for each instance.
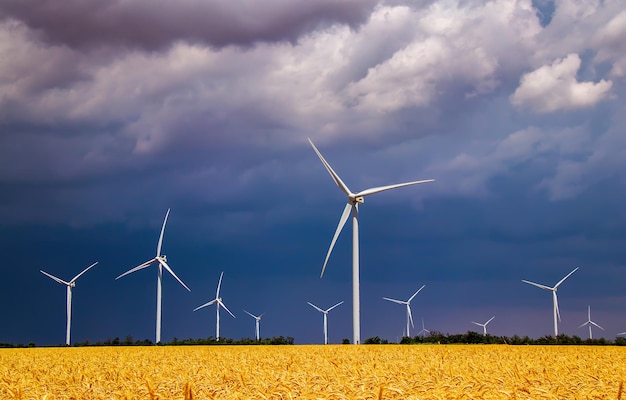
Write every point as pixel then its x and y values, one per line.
pixel 161 261
pixel 590 322
pixel 424 330
pixel 325 312
pixel 484 325
pixel 557 315
pixel 409 317
pixel 257 320
pixel 70 285
pixel 352 208
pixel 218 301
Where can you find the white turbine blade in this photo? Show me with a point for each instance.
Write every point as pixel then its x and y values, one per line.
pixel 490 319
pixel 394 300
pixel 583 324
pixel 556 305
pixel 596 325
pixel 252 315
pixel 566 276
pixel 408 309
pixel 205 305
pixel 379 189
pixel 316 307
pixel 538 285
pixel 162 231
pixel 342 223
pixel 219 284
pixel 336 305
pixel 53 277
pixel 85 270
pixel 332 173
pixel 167 267
pixel 137 268
pixel 589 313
pixel 415 294
pixel 476 323
pixel 225 308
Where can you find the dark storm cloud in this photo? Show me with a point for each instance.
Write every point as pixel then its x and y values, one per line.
pixel 153 25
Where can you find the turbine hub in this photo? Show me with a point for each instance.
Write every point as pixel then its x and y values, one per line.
pixel 164 257
pixel 359 200
pixel 72 284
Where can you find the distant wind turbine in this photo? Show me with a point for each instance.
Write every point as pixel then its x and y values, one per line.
pixel 424 330
pixel 409 317
pixel 590 322
pixel 257 320
pixel 161 261
pixel 325 312
pixel 352 207
pixel 218 301
pixel 554 298
pixel 484 325
pixel 70 285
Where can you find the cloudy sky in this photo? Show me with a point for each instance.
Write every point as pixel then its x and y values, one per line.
pixel 111 112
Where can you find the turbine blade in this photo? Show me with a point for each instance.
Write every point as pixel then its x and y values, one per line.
pixel 219 284
pixel 137 268
pixel 252 315
pixel 379 189
pixel 476 323
pixel 316 307
pixel 596 325
pixel 332 173
pixel 415 294
pixel 167 267
pixel 336 305
pixel 583 324
pixel 566 276
pixel 538 285
pixel 408 309
pixel 225 308
pixel 556 305
pixel 490 319
pixel 162 231
pixel 394 300
pixel 342 223
pixel 85 270
pixel 205 304
pixel 54 277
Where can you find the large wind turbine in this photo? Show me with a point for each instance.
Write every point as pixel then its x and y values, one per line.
pixel 161 261
pixel 257 320
pixel 325 312
pixel 70 285
pixel 484 325
pixel 352 207
pixel 590 322
pixel 557 315
pixel 218 301
pixel 409 317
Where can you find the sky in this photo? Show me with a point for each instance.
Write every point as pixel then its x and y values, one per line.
pixel 111 112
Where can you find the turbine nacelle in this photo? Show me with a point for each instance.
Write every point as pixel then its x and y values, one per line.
pixel 356 199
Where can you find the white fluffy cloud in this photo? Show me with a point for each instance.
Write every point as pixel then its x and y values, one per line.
pixel 555 87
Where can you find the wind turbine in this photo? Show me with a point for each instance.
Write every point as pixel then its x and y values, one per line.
pixel 257 324
pixel 352 207
pixel 409 317
pixel 161 261
pixel 218 301
pixel 325 312
pixel 554 298
pixel 424 330
pixel 590 322
pixel 484 325
pixel 70 285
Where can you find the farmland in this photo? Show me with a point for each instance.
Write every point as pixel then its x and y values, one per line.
pixel 335 371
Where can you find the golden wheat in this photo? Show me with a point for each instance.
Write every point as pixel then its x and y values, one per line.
pixel 312 372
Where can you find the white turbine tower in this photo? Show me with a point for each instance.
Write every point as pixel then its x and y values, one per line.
pixel 424 330
pixel 161 261
pixel 257 320
pixel 557 314
pixel 484 325
pixel 590 322
pixel 409 317
pixel 70 285
pixel 325 312
pixel 352 207
pixel 218 301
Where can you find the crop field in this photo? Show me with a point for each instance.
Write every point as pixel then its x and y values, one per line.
pixel 310 372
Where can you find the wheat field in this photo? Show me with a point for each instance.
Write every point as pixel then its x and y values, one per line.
pixel 315 371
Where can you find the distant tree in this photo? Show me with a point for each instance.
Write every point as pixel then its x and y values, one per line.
pixel 347 341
